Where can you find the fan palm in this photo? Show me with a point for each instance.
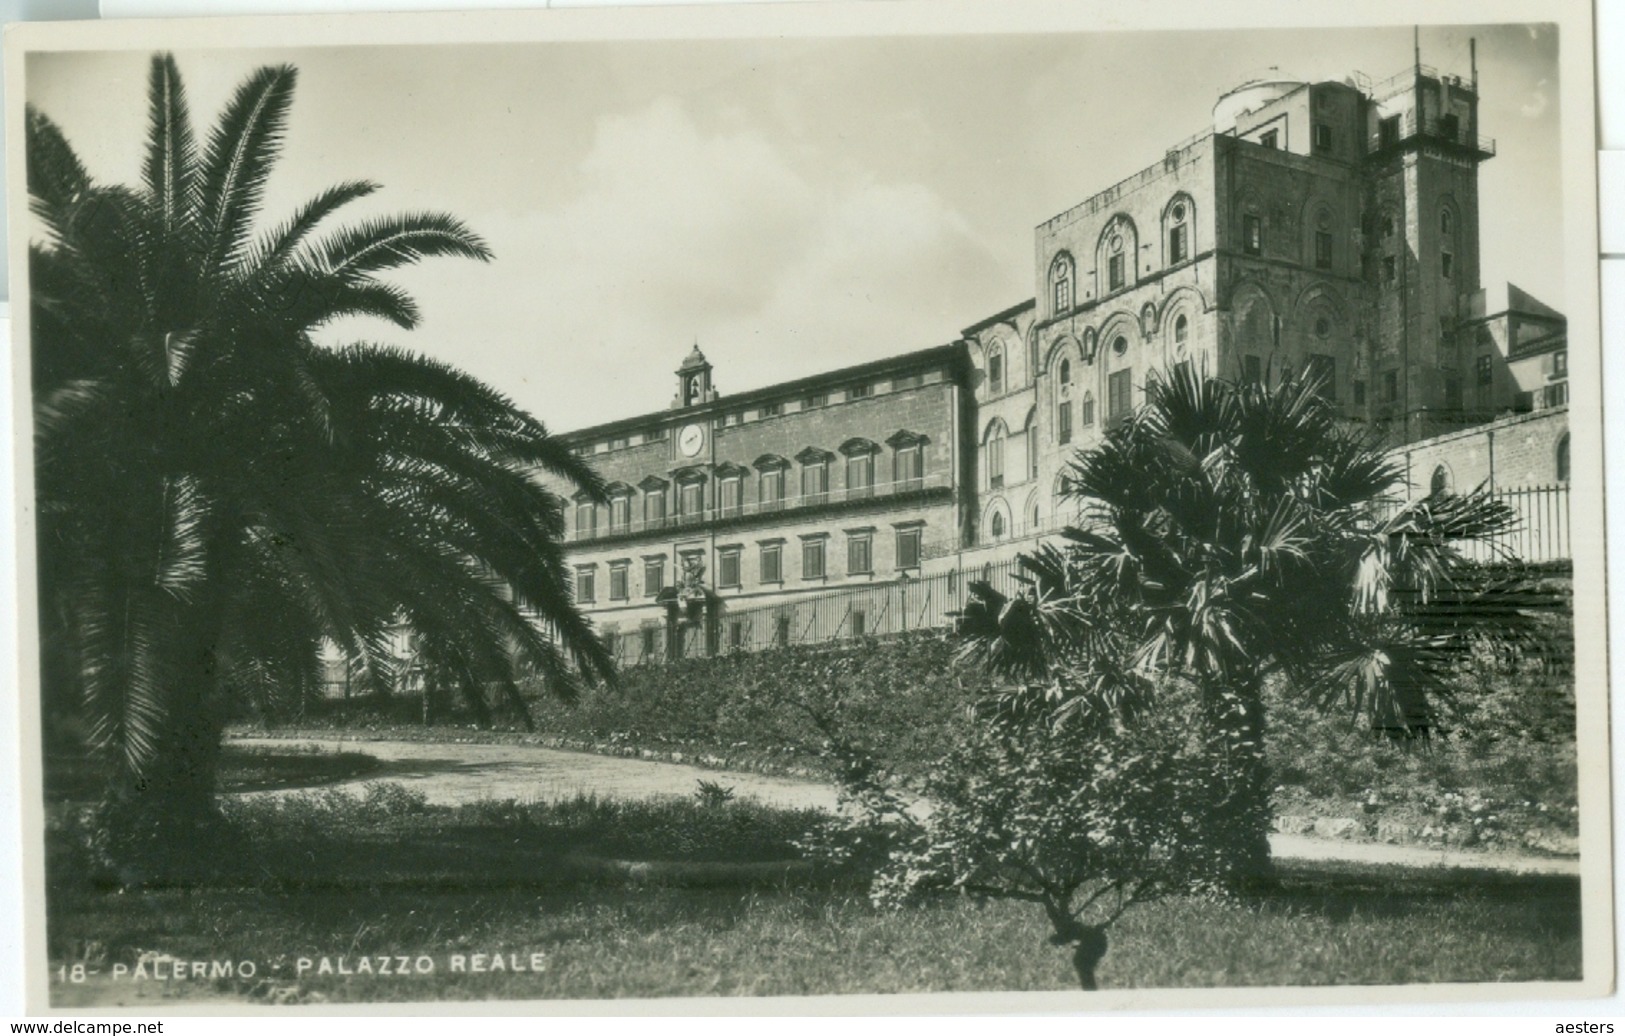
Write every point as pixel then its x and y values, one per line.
pixel 218 495
pixel 1228 532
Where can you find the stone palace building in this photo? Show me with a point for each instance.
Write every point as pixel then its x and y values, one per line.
pixel 1329 228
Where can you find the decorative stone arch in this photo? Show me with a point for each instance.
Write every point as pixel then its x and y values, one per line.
pixel 1319 293
pixel 1120 327
pixel 1249 202
pixel 994 425
pixel 1179 212
pixel 996 366
pixel 1119 237
pixel 1031 343
pixel 996 516
pixel 1449 218
pixel 1319 215
pixel 1032 514
pixel 1062 348
pixel 1148 321
pixel 1442 480
pixel 1255 325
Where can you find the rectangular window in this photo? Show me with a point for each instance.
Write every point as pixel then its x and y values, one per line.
pixel 815 482
pixel 1323 250
pixel 772 563
pixel 770 489
pixel 860 476
pixel 1447 265
pixel 1032 451
pixel 1323 137
pixel 860 624
pixel 654 576
pixel 812 559
pixel 1359 393
pixel 995 461
pixel 771 410
pixel 693 499
pixel 1555 394
pixel 586 520
pixel 1115 272
pixel 655 435
pixel 1120 389
pixel 620 581
pixel 1390 386
pixel 859 555
pixel 816 400
pixel 1252 370
pixel 736 634
pixel 860 392
pixel 1177 248
pixel 908 466
pixel 1252 235
pixel 733 495
pixel 1087 409
pixel 1452 392
pixel 728 568
pixel 1063 422
pixel 1323 370
pixel 908 548
pixel 586 584
pixel 1560 363
pixel 1485 370
pixel 1270 139
pixel 651 643
pixel 654 508
pixel 907 381
pixel 620 512
pixel 1388 131
pixel 781 631
pixel 1390 269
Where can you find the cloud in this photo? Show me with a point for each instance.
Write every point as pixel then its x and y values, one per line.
pixel 1536 106
pixel 678 232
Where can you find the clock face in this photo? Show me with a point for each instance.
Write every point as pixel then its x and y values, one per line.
pixel 691 439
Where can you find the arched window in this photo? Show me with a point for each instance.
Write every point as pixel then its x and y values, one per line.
pixel 1179 233
pixel 1060 280
pixel 1088 409
pixel 1116 263
pixel 1440 482
pixel 1446 223
pixel 1182 330
pixel 995 455
pixel 995 370
pixel 996 525
pixel 1066 376
pixel 1563 459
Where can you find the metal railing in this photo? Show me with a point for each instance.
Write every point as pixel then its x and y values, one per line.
pixel 1539 534
pixel 720 512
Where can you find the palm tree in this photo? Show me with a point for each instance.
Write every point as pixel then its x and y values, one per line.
pixel 1227 533
pixel 218 495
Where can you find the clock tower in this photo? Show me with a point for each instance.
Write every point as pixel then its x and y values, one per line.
pixel 694 381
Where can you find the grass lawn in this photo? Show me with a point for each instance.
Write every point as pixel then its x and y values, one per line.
pixel 322 875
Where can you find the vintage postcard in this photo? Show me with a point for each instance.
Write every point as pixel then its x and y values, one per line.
pixel 852 503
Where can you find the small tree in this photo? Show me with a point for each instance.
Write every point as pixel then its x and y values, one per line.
pixel 1084 819
pixel 1230 532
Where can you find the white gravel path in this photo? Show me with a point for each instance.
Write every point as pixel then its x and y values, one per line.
pixel 455 774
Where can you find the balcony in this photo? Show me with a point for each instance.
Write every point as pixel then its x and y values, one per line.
pixel 927 486
pixel 1403 129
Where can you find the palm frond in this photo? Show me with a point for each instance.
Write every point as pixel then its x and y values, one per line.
pixel 237 162
pixel 387 242
pixel 170 172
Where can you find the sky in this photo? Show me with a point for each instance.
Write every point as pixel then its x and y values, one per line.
pixel 790 205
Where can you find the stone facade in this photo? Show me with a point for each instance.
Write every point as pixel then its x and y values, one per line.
pixel 1329 228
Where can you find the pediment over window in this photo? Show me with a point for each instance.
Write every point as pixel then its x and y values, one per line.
pixel 653 483
pixel 813 455
pixel 857 447
pixel 904 437
pixel 770 462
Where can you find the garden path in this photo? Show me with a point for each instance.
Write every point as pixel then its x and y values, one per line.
pixel 457 773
